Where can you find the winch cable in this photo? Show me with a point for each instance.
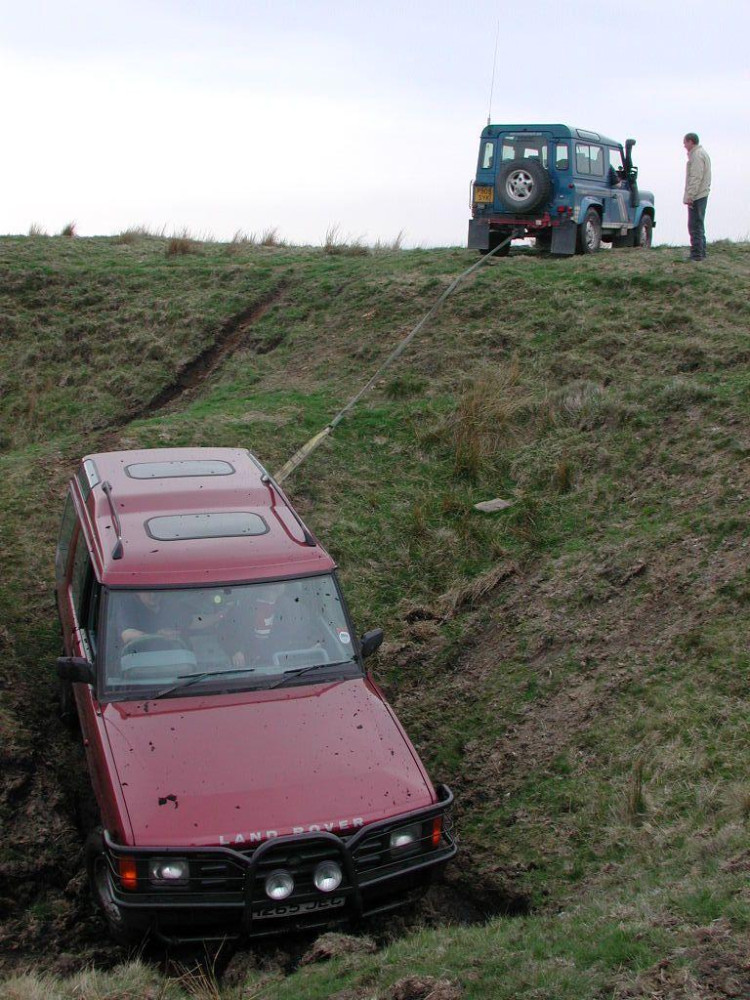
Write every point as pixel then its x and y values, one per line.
pixel 299 456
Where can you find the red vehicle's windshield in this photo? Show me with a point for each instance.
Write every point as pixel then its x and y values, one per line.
pixel 254 635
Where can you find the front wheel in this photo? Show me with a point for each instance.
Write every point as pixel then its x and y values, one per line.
pixel 644 232
pixel 590 232
pixel 100 881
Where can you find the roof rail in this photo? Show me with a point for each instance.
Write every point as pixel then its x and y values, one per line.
pixel 118 550
pixel 267 479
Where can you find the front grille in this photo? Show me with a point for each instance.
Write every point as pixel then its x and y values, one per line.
pixel 234 879
pixel 300 860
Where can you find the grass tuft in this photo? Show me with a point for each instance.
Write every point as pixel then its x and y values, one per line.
pixel 334 244
pixel 270 238
pixel 181 244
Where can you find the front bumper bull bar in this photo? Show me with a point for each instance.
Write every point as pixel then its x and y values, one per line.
pixel 228 895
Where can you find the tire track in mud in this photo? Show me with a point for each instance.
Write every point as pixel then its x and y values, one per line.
pixel 236 332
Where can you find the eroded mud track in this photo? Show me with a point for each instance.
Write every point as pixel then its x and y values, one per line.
pixel 236 333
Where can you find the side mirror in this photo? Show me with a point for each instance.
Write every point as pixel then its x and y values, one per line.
pixel 75 669
pixel 371 642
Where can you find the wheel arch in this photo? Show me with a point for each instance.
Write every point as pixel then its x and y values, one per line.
pixel 586 204
pixel 645 210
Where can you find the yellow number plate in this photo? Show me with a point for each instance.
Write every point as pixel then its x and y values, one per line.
pixel 484 194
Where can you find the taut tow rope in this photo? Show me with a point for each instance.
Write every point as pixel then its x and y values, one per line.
pixel 299 456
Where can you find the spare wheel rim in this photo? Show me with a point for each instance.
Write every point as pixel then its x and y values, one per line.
pixel 519 185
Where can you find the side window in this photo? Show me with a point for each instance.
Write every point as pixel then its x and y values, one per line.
pixel 562 156
pixel 92 617
pixel 63 542
pixel 488 155
pixel 615 159
pixel 86 593
pixel 589 159
pixel 80 583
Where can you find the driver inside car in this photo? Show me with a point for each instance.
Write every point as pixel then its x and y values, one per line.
pixel 151 612
pixel 142 613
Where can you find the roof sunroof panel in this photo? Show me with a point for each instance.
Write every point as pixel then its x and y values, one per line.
pixel 178 469
pixel 178 527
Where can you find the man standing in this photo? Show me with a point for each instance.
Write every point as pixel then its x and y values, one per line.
pixel 697 186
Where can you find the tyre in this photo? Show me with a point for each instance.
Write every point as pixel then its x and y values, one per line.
pixel 67 705
pixel 100 882
pixel 544 241
pixel 496 238
pixel 590 232
pixel 522 185
pixel 644 232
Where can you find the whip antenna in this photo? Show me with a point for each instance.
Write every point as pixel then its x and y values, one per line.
pixel 494 64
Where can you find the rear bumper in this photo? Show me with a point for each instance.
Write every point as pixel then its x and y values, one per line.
pixel 481 228
pixel 225 897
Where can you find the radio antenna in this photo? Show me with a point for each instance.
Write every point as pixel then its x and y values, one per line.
pixel 494 64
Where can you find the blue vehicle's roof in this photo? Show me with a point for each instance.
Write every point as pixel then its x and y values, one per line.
pixel 559 131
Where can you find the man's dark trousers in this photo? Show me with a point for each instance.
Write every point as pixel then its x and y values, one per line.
pixel 697 228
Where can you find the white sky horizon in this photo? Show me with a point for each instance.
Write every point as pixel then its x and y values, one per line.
pixel 229 116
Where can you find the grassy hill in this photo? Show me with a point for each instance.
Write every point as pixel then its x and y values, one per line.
pixel 575 665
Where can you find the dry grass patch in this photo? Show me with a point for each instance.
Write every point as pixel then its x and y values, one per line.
pixel 181 244
pixel 491 411
pixel 335 244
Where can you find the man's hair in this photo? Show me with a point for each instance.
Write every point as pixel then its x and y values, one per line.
pixel 692 137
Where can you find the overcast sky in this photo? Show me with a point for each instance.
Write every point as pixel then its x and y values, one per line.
pixel 226 115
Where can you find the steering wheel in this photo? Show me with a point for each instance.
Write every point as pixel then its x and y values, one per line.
pixel 151 642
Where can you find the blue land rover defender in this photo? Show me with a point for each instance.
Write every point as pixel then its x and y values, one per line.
pixel 569 188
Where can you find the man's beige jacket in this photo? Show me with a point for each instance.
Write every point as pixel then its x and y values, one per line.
pixel 697 175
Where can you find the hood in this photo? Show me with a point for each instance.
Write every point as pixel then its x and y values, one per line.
pixel 242 768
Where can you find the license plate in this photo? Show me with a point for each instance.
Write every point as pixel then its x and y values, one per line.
pixel 298 909
pixel 484 194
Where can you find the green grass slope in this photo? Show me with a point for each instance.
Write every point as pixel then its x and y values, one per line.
pixel 574 665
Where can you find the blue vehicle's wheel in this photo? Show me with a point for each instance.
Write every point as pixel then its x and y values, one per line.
pixel 643 232
pixel 590 232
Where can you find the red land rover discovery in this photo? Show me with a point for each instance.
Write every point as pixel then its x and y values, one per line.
pixel 249 775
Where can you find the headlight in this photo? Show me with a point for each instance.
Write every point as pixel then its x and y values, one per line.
pixel 327 876
pixel 405 838
pixel 279 885
pixel 168 871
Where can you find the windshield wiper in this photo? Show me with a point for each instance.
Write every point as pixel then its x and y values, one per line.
pixel 187 679
pixel 292 674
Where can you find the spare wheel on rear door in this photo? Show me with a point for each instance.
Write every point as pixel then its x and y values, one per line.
pixel 522 185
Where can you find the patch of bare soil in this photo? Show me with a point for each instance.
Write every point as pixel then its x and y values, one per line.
pixel 714 967
pixel 424 988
